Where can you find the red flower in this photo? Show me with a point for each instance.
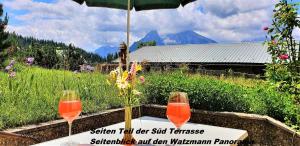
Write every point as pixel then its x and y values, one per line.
pixel 274 42
pixel 266 28
pixel 284 57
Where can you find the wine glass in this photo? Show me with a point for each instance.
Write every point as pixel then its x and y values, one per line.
pixel 69 107
pixel 178 109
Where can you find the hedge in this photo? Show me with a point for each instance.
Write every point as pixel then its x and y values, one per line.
pixel 211 93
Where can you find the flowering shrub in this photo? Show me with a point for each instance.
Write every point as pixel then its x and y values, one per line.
pixel 127 82
pixel 29 61
pixel 10 69
pixel 284 71
pixel 86 68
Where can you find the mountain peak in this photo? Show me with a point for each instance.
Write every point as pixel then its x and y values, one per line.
pixel 187 32
pixel 151 35
pixel 184 37
pixel 153 32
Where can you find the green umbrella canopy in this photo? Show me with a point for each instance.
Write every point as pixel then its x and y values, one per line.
pixel 137 4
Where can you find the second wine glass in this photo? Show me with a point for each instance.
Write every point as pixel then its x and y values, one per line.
pixel 178 109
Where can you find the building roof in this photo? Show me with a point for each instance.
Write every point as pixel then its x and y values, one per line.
pixel 204 53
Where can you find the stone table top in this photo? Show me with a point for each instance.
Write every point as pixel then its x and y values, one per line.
pixel 155 131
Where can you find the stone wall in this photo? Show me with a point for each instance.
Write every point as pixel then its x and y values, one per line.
pixel 59 128
pixel 263 130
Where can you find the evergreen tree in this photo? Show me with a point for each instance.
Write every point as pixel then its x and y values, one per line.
pixel 109 58
pixel 4 43
pixel 73 58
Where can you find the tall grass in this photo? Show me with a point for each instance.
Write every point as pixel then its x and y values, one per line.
pixel 33 95
pixel 224 94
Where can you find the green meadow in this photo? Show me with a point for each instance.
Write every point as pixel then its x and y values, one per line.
pixel 32 96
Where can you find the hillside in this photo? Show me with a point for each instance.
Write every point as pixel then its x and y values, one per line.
pixel 50 54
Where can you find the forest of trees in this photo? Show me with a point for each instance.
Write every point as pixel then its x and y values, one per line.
pixel 50 54
pixel 47 53
pixel 143 44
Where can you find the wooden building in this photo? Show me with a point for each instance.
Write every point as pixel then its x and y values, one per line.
pixel 239 57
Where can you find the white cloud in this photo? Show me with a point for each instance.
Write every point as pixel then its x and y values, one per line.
pixel 90 28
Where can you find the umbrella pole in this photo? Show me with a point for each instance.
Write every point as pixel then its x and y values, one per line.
pixel 128 30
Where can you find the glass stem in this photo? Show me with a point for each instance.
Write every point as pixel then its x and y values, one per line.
pixel 70 128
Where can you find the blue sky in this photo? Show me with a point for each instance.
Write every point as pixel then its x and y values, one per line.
pixel 296 0
pixel 91 28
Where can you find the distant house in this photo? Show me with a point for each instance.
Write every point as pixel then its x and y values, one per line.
pixel 240 57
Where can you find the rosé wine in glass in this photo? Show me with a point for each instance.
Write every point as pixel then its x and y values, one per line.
pixel 178 109
pixel 70 110
pixel 69 107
